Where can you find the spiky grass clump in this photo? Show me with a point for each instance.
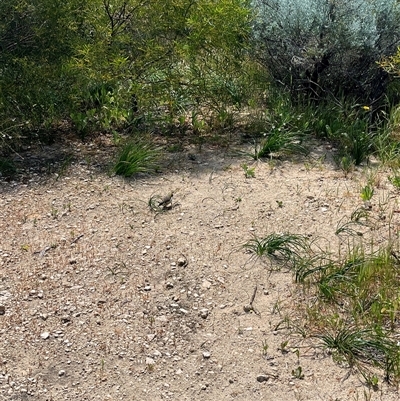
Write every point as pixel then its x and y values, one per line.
pixel 137 156
pixel 359 218
pixel 361 347
pixel 278 141
pixel 285 247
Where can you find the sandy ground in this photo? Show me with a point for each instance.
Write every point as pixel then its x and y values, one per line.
pixel 105 299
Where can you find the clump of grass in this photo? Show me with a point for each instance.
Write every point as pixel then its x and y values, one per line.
pixel 279 141
pixel 311 266
pixel 359 218
pixel 335 282
pixel 285 247
pixel 249 172
pixel 395 179
pixel 363 346
pixel 137 156
pixel 367 193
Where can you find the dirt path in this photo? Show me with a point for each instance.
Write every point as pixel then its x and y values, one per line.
pixel 107 300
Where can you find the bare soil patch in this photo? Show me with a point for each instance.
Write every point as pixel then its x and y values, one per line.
pixel 105 299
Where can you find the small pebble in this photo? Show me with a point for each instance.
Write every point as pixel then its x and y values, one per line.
pixel 150 361
pixel 247 308
pixel 61 373
pixel 262 378
pixel 182 262
pixel 45 335
pixel 206 284
pixel 203 313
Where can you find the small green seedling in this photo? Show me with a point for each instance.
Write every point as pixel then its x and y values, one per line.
pixel 395 180
pixel 297 353
pixel 264 347
pixel 283 347
pixel 346 164
pixel 366 193
pixel 298 373
pixel 372 381
pixel 248 172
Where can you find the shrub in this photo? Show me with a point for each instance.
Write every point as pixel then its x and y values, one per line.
pixel 322 46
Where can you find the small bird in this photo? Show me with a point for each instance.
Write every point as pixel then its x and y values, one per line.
pixel 166 200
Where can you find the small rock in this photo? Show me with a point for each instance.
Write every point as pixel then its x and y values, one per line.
pixel 247 308
pixel 206 284
pixel 203 313
pixel 150 337
pixel 147 288
pixel 182 262
pixel 169 285
pixel 65 319
pixel 262 378
pixel 367 205
pixel 45 335
pixel 150 361
pixel 2 309
pixel 61 373
pixel 206 355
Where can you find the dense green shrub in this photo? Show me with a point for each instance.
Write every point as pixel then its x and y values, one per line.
pixel 325 46
pixel 106 64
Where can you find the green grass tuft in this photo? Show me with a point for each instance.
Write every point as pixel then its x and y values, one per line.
pixel 285 247
pixel 137 156
pixel 363 346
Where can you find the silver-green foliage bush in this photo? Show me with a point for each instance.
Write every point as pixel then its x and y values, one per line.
pixel 327 45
